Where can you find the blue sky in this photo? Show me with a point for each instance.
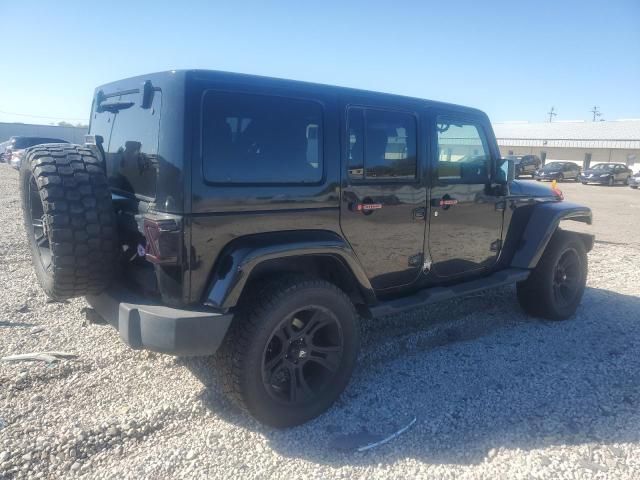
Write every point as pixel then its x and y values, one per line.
pixel 513 59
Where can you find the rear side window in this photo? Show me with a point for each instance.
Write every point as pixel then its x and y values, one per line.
pixel 382 144
pixel 249 138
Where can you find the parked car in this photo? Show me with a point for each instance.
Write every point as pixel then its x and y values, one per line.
pixel 607 174
pixel 558 171
pixel 634 181
pixel 525 164
pixel 3 150
pixel 17 146
pixel 259 219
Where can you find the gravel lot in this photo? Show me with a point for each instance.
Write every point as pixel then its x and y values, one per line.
pixel 496 394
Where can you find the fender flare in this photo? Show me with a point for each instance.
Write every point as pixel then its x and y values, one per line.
pixel 241 256
pixel 542 224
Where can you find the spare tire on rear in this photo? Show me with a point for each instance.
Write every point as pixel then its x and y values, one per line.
pixel 69 219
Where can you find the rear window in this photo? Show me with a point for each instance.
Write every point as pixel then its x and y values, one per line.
pixel 248 138
pixel 131 144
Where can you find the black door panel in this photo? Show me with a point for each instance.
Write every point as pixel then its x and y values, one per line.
pixel 465 224
pixel 384 202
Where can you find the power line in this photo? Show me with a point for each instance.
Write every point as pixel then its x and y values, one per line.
pixel 41 116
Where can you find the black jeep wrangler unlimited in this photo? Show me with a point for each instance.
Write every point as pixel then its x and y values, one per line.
pixel 258 219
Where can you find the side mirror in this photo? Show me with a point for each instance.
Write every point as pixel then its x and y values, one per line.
pixel 506 170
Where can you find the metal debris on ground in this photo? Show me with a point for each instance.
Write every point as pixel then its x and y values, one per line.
pixel 389 438
pixel 48 357
pixel 366 440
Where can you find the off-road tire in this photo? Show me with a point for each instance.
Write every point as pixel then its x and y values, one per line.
pixel 239 360
pixel 536 295
pixel 79 218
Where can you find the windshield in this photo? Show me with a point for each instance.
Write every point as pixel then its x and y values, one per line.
pixel 604 166
pixel 552 167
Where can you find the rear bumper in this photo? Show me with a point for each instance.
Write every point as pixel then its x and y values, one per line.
pixel 143 325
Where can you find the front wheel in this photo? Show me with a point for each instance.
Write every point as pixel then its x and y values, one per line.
pixel 555 287
pixel 291 351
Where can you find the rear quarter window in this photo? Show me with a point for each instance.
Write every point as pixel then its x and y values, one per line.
pixel 250 138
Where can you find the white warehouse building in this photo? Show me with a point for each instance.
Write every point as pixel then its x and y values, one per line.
pixel 585 143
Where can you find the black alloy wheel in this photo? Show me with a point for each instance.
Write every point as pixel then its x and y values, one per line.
pixel 39 225
pixel 566 278
pixel 303 355
pixel 290 350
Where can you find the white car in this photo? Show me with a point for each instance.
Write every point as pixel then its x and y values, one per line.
pixel 17 145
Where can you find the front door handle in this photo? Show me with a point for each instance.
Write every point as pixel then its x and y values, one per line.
pixel 419 213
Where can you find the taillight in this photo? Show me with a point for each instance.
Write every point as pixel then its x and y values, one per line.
pixel 164 239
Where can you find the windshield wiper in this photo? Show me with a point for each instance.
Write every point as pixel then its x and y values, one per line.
pixel 114 107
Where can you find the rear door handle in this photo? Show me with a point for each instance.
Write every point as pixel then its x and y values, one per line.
pixel 445 202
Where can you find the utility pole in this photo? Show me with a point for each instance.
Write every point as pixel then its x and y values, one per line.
pixel 596 113
pixel 552 113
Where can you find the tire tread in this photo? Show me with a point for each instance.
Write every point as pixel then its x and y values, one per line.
pixel 78 209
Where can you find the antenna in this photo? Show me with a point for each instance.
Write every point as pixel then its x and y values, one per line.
pixel 552 113
pixel 596 113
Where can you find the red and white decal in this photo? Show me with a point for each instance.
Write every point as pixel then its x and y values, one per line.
pixel 365 207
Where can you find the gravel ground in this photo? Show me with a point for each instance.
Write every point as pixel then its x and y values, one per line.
pixel 496 394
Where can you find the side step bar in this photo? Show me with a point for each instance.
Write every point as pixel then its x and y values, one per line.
pixel 436 294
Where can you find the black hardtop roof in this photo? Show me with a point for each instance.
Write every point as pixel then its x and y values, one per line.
pixel 160 78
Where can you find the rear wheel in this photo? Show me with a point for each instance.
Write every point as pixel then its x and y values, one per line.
pixel 291 351
pixel 555 287
pixel 69 220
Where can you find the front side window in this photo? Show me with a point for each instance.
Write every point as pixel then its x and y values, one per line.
pixel 463 154
pixel 248 138
pixel 381 144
